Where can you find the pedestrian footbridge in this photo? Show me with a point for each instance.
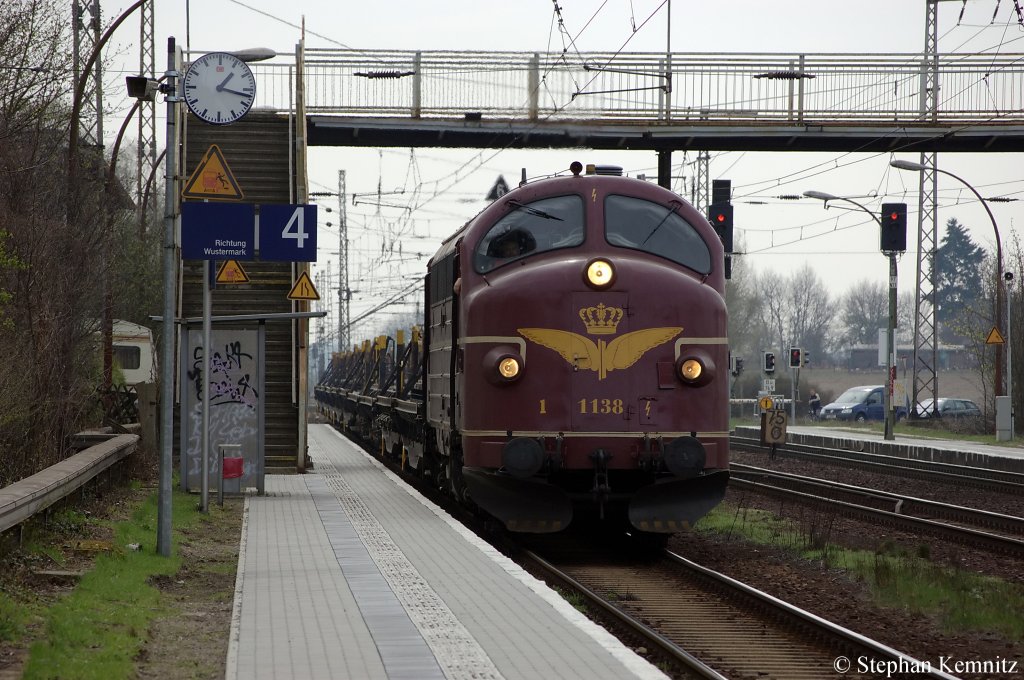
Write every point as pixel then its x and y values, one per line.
pixel 767 102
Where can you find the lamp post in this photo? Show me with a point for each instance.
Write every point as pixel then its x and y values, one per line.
pixel 890 339
pixel 144 88
pixel 918 167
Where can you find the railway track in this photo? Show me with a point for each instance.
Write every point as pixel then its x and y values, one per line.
pixel 709 625
pixel 864 505
pixel 994 480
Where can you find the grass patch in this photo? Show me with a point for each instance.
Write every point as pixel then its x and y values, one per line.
pixel 98 629
pixel 13 618
pixel 572 597
pixel 957 599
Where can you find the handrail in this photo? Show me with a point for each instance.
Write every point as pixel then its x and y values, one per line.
pixel 29 496
pixel 628 88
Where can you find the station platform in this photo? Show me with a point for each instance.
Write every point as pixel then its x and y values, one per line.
pixel 346 572
pixel 1008 456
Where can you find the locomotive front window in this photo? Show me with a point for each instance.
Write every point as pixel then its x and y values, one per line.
pixel 657 229
pixel 530 228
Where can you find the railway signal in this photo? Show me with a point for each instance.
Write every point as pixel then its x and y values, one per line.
pixel 893 236
pixel 720 216
pixel 769 363
pixel 796 359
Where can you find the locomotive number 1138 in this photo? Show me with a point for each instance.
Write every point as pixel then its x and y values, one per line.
pixel 591 406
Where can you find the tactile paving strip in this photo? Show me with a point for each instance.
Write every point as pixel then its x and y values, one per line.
pixel 454 649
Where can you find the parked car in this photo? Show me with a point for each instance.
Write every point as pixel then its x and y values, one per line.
pixel 866 402
pixel 949 408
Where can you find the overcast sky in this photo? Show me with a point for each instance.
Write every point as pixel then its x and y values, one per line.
pixel 778 234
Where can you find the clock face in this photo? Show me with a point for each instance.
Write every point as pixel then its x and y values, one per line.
pixel 219 88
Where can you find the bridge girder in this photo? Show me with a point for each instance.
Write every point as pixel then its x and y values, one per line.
pixel 457 133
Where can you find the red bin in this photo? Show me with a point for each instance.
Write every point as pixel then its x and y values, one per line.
pixel 233 468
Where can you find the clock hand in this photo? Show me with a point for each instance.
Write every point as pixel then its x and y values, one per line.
pixel 220 88
pixel 241 94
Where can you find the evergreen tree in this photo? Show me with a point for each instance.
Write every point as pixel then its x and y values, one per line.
pixel 959 290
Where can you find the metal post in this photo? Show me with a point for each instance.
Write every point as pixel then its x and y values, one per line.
pixel 890 354
pixel 170 286
pixel 204 496
pixel 220 475
pixel 794 378
pixel 1009 352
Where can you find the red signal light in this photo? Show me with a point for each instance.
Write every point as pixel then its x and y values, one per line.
pixel 894 216
pixel 720 217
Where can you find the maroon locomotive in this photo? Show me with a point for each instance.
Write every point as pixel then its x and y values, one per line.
pixel 575 360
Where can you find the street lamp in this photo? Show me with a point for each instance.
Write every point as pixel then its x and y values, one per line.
pixel 890 340
pixel 918 167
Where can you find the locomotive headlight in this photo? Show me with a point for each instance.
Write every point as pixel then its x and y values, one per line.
pixel 599 273
pixel 695 367
pixel 690 370
pixel 509 368
pixel 503 365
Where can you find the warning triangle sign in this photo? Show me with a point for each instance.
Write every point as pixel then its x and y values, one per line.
pixel 231 272
pixel 303 289
pixel 212 179
pixel 499 189
pixel 995 337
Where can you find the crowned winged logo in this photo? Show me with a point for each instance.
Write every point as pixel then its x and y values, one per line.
pixel 600 356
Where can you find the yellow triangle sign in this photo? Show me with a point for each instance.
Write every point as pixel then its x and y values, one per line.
pixel 212 179
pixel 303 289
pixel 231 272
pixel 995 337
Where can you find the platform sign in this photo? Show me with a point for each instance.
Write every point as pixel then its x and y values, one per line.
pixel 217 231
pixel 287 232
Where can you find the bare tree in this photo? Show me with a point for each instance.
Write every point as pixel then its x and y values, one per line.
pixel 809 311
pixel 746 332
pixel 796 310
pixel 51 265
pixel 865 309
pixel 772 314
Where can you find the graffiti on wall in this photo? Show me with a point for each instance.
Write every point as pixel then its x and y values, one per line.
pixel 230 376
pixel 234 403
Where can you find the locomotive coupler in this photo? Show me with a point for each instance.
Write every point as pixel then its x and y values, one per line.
pixel 555 457
pixel 601 489
pixel 646 459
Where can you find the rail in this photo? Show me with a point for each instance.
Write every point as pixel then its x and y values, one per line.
pixel 29 496
pixel 624 88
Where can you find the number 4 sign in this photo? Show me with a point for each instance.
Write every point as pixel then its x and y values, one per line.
pixel 287 232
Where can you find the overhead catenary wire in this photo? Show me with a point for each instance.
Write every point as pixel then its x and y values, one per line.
pixel 480 160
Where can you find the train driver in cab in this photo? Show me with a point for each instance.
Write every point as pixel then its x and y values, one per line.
pixel 514 243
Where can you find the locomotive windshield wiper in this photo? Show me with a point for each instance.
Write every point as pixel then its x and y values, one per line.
pixel 671 209
pixel 533 211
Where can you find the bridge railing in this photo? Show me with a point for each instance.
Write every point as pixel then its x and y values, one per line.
pixel 625 88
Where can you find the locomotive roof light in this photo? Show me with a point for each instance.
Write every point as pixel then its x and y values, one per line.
pixel 576 168
pixel 599 274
